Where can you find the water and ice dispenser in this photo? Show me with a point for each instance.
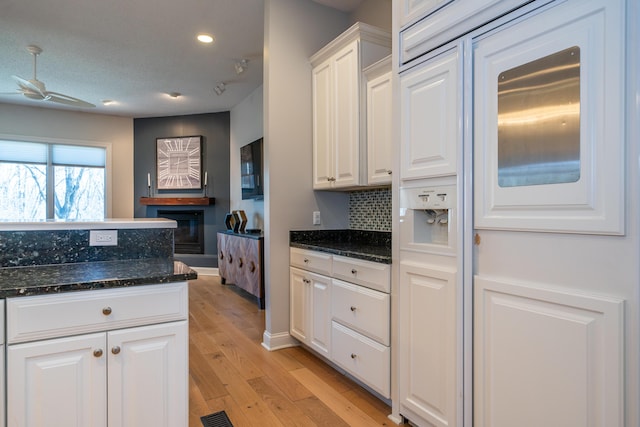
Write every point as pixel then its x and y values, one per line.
pixel 427 217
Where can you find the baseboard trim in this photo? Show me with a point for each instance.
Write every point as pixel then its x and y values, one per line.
pixel 278 341
pixel 205 271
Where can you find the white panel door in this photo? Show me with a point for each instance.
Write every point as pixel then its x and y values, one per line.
pixel 546 357
pixel 379 134
pixel 428 334
pixel 320 314
pixel 298 304
pixel 148 376
pixel 58 382
pixel 548 292
pixel 430 103
pixel 346 115
pixel 323 140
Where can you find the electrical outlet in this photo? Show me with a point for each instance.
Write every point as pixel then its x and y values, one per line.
pixel 316 217
pixel 103 237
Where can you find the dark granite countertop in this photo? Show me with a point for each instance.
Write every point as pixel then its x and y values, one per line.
pixel 366 245
pixel 57 278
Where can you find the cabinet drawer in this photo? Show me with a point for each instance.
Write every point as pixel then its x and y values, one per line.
pixel 364 358
pixel 311 260
pixel 72 313
pixel 373 275
pixel 365 310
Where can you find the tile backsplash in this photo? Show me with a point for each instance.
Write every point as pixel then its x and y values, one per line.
pixel 370 210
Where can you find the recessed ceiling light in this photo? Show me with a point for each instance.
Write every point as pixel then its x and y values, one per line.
pixel 108 102
pixel 205 38
pixel 174 95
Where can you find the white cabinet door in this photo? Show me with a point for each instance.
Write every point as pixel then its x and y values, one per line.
pixel 336 119
pixel 411 10
pixel 299 295
pixel 379 132
pixel 346 115
pixel 441 21
pixel 58 382
pixel 320 314
pixel 147 381
pixel 322 82
pixel 430 103
pixel 310 309
pixel 429 344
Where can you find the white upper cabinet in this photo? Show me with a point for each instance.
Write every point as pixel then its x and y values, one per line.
pixel 427 24
pixel 413 10
pixel 430 106
pixel 379 122
pixel 339 96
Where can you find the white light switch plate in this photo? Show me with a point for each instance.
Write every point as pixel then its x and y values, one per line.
pixel 316 218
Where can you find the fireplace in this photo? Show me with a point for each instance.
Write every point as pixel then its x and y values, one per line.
pixel 189 236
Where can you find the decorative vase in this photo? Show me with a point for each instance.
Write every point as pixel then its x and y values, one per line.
pixel 229 221
pixel 243 220
pixel 236 223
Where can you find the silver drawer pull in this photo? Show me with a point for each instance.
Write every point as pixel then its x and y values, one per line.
pixel 97 353
pixel 306 260
pixel 115 350
pixel 353 308
pixel 354 271
pixel 353 355
pixel 106 311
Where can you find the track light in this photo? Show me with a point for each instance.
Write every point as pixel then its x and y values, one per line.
pixel 241 66
pixel 220 87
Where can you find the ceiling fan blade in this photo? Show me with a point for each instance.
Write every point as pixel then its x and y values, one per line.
pixel 61 98
pixel 34 85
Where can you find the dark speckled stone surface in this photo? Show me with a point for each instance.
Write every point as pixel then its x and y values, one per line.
pixel 57 278
pixel 367 245
pixel 25 248
pixel 37 262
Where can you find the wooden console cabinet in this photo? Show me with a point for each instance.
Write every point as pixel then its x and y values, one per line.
pixel 240 262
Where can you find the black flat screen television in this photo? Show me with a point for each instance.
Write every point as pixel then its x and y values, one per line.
pixel 251 170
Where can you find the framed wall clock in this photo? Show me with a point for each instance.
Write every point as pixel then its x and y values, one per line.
pixel 179 162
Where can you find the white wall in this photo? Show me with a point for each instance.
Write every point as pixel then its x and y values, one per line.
pixel 246 125
pixel 294 30
pixel 373 12
pixel 24 121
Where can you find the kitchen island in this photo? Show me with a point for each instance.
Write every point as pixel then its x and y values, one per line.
pixel 96 323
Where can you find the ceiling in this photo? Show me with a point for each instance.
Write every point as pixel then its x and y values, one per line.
pixel 136 52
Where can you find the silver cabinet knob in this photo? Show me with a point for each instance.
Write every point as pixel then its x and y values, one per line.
pixel 97 352
pixel 353 308
pixel 353 355
pixel 106 311
pixel 354 271
pixel 115 350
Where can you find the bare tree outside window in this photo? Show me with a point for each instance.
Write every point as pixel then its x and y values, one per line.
pixel 77 192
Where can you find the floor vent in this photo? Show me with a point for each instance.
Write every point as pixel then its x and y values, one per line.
pixel 218 419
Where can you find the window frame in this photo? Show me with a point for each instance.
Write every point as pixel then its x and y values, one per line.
pixel 84 143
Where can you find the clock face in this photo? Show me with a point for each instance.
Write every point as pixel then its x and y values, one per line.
pixel 179 162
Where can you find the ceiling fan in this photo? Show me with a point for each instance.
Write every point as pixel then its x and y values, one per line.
pixel 35 89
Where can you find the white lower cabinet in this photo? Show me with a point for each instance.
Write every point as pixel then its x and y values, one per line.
pixel 310 299
pixel 125 377
pixel 366 359
pixel 348 322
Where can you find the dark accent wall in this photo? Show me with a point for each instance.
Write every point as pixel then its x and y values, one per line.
pixel 214 128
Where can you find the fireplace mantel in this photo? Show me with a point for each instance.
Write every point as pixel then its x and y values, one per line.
pixel 177 201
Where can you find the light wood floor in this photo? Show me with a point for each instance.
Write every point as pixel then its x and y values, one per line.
pixel 230 370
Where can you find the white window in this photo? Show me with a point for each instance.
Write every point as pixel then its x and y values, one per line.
pixel 51 181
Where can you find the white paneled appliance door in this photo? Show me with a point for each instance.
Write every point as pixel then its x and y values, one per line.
pixel 550 274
